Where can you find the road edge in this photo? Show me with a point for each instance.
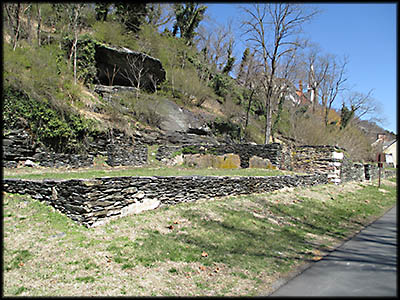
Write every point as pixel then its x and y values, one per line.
pixel 285 278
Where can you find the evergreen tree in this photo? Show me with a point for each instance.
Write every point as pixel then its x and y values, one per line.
pixel 188 17
pixel 346 115
pixel 231 60
pixel 101 9
pixel 132 15
pixel 243 63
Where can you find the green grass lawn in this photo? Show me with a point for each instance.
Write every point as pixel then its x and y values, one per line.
pixel 230 246
pixel 47 173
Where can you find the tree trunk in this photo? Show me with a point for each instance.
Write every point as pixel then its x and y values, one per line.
pixel 268 102
pixel 39 23
pixel 268 119
pixel 278 117
pixel 248 110
pixel 17 26
pixel 75 59
pixel 29 9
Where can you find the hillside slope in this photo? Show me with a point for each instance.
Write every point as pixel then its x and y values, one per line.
pixel 152 86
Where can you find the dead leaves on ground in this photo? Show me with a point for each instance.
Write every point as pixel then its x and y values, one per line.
pixel 317 255
pixel 205 269
pixel 176 222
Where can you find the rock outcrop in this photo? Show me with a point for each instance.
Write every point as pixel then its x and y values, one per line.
pixel 126 67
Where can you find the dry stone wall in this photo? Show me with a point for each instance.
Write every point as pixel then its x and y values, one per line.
pixel 334 162
pixel 20 149
pixel 371 172
pixel 331 160
pixel 17 145
pixel 92 201
pixel 272 152
pixel 316 158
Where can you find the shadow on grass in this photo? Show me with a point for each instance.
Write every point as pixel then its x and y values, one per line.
pixel 245 241
pixel 241 240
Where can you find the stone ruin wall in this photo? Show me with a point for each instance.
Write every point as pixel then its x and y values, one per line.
pixel 271 152
pixel 91 202
pixel 119 150
pixel 330 160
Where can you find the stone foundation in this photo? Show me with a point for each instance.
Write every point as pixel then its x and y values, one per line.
pixel 92 201
pixel 272 152
pixel 19 148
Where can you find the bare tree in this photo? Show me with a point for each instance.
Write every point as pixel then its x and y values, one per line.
pixel 14 12
pixel 160 14
pixel 154 82
pixel 286 74
pixel 316 68
pixel 39 21
pixel 248 75
pixel 254 88
pixel 74 14
pixel 363 105
pixel 215 44
pixel 136 71
pixel 111 75
pixel 284 21
pixel 333 83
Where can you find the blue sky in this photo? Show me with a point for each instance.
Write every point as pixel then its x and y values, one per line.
pixel 365 32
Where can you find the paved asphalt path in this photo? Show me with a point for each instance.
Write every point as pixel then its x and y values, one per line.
pixel 366 265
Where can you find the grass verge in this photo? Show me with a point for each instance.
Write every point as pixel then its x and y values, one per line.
pixel 51 173
pixel 231 246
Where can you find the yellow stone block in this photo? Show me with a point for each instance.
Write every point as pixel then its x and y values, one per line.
pixel 227 161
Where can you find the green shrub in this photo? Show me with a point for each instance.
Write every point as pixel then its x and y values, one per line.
pixel 85 57
pixel 111 33
pixel 40 72
pixel 221 85
pixel 54 128
pixel 190 150
pixel 187 86
pixel 225 127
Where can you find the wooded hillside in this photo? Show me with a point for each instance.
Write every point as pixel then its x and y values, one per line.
pixel 281 86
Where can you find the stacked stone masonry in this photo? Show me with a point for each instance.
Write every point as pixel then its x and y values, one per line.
pixel 19 147
pixel 272 152
pixel 91 201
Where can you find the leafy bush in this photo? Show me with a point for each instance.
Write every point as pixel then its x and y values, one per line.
pixel 40 72
pixel 190 149
pixel 55 129
pixel 221 126
pixel 187 86
pixel 182 79
pixel 111 33
pixel 221 84
pixel 254 133
pixel 85 57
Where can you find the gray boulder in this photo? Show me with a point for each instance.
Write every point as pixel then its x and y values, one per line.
pixel 176 119
pixel 124 67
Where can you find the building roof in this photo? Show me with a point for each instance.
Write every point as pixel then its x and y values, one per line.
pixel 387 144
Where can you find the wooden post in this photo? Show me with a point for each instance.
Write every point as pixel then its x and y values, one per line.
pixel 379 175
pixel 380 160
